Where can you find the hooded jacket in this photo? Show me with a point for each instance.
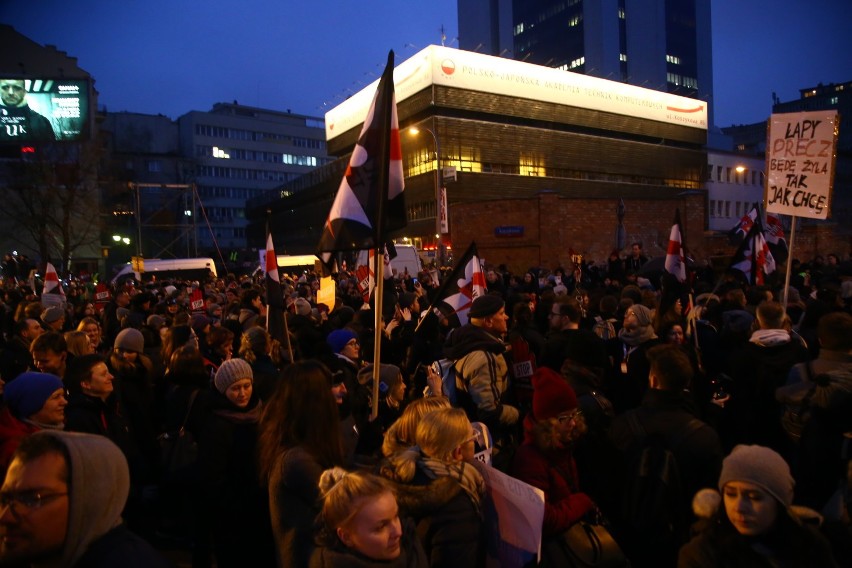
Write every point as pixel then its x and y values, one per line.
pixel 98 490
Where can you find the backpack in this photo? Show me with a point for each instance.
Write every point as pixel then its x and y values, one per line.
pixel 604 328
pixel 653 503
pixel 446 368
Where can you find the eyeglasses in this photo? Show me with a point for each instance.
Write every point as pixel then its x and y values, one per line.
pixel 353 343
pixel 569 416
pixel 474 437
pixel 21 502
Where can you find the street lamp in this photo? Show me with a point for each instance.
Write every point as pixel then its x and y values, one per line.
pixel 414 130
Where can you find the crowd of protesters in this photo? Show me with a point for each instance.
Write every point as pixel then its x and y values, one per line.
pixel 569 372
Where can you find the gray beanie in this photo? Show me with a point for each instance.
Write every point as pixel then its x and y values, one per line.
pixel 231 371
pixel 130 339
pixel 644 315
pixel 763 467
pixel 303 307
pixel 52 314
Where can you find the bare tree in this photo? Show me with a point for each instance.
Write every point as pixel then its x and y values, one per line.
pixel 50 201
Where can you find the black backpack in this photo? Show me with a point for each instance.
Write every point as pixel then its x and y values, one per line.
pixel 653 499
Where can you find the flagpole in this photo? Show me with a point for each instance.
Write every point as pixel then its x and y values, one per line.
pixel 378 300
pixel 789 262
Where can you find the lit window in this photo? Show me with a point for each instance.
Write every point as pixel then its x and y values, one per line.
pixel 219 153
pixel 622 57
pixel 673 59
pixel 577 62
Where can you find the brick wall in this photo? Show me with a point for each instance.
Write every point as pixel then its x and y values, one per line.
pixel 554 225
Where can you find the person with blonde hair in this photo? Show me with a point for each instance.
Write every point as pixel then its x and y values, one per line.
pixel 77 343
pixel 92 327
pixel 360 524
pixel 439 484
pixel 401 434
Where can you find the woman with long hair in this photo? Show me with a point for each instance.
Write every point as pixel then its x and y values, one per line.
pixel 92 327
pixel 299 439
pixel 756 524
pixel 440 486
pixel 360 524
pixel 401 434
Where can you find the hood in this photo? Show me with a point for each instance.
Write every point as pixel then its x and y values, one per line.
pixel 470 338
pixel 100 484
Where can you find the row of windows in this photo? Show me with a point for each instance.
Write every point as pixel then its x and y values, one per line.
pixel 257 136
pixel 467 159
pixel 680 80
pixel 727 174
pixel 225 213
pixel 723 209
pixel 211 192
pixel 673 59
pixel 245 173
pixel 257 156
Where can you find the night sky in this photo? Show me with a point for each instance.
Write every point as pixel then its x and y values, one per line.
pixel 174 56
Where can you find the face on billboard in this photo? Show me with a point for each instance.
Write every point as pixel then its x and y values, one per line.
pixel 36 110
pixel 12 91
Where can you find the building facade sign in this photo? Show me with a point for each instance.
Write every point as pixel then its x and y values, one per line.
pixel 449 67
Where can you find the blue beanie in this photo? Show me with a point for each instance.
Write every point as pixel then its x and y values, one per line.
pixel 27 394
pixel 339 338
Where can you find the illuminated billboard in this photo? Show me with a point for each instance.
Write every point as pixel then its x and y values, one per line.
pixel 43 110
pixel 436 65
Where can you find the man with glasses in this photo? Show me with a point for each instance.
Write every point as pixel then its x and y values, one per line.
pixel 61 504
pixel 567 341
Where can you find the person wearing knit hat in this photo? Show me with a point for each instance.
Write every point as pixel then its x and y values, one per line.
pixel 477 351
pixel 228 468
pixel 485 306
pixel 636 337
pixel 545 458
pixel 757 524
pixel 34 401
pixel 344 342
pixel 234 372
pixel 129 340
pixel 155 322
pixel 391 395
pixel 302 307
pixel 53 317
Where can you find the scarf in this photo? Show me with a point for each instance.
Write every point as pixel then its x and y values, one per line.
pixel 251 416
pixel 43 426
pixel 467 476
pixel 638 336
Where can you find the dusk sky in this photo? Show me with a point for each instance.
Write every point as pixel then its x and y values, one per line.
pixel 174 56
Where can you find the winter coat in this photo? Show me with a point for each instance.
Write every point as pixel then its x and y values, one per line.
pixel 120 547
pixel 237 505
pixel 482 368
pixel 554 472
pixel 448 523
pixel 720 546
pixel 331 553
pixel 12 431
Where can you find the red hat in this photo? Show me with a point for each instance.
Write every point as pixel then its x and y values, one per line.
pixel 552 395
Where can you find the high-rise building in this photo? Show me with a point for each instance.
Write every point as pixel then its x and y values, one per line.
pixel 658 44
pixel 243 152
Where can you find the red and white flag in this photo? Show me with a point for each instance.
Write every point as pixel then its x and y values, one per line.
pixel 753 257
pixel 51 282
pixel 458 291
pixel 675 259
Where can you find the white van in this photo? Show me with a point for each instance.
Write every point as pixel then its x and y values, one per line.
pixel 407 260
pixel 165 269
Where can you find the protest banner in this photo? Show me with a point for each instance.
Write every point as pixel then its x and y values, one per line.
pixel 800 153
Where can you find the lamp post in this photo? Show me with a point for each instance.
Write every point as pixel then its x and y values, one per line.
pixel 414 130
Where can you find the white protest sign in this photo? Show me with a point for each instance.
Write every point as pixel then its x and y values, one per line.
pixel 515 511
pixel 800 154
